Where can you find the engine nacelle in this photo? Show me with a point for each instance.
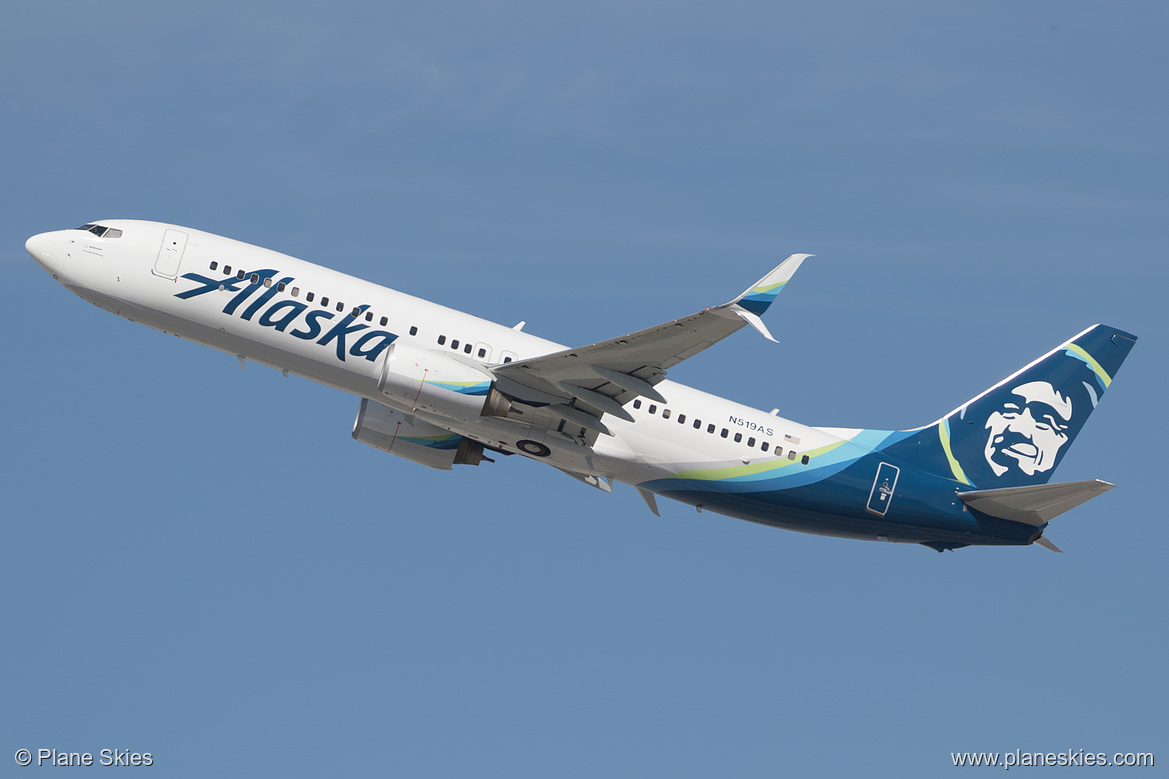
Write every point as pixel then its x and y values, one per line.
pixel 397 433
pixel 430 380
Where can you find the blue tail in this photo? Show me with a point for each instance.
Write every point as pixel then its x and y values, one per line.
pixel 1016 433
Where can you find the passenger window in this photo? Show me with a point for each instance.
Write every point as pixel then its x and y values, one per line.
pixel 340 306
pixel 454 343
pixel 710 428
pixel 295 291
pixel 637 403
pixel 280 286
pixel 697 423
pixel 413 329
pixel 226 270
pixel 267 283
pixel 214 265
pixel 765 446
pixel 255 278
pixel 653 409
pixel 509 356
pixel 309 297
pixel 441 340
pixel 805 459
pixel 466 348
pixel 507 359
pixel 681 419
pixel 324 302
pixel 481 353
pixel 750 442
pixel 724 433
pixel 779 451
pixel 738 437
pixel 240 274
pixel 791 455
pixel 665 413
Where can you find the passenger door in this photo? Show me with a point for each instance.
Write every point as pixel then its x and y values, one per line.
pixel 170 254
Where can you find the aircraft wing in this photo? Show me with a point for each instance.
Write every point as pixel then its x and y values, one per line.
pixel 601 377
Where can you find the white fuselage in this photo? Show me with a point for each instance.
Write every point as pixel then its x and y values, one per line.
pixel 281 326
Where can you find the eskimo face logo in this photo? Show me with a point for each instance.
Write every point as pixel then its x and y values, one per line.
pixel 1029 430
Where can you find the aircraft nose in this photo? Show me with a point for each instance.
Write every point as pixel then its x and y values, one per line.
pixel 40 248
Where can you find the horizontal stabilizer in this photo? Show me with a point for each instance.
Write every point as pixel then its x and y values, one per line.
pixel 1036 504
pixel 1046 544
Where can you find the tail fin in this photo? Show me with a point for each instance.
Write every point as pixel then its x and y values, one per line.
pixel 1016 433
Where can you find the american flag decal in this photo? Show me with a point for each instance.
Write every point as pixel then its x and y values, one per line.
pixel 792 439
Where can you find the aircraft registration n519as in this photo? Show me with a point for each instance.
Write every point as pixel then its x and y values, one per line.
pixel 443 388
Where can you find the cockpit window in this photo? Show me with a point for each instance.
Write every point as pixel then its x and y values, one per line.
pixel 100 231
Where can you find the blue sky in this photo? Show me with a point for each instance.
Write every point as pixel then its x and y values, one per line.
pixel 200 563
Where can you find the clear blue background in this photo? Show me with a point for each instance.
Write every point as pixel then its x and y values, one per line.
pixel 200 563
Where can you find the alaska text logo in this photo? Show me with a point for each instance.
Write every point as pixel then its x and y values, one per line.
pixel 283 314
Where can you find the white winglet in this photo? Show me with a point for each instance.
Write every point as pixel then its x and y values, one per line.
pixel 756 323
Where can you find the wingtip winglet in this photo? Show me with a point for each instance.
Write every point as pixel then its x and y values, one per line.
pixel 762 294
pixel 756 323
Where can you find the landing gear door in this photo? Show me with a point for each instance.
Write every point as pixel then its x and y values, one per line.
pixel 881 495
pixel 170 254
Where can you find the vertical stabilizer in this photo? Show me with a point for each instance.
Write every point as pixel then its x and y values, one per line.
pixel 1015 433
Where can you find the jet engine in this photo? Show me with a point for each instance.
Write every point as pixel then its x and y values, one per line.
pixel 434 381
pixel 406 436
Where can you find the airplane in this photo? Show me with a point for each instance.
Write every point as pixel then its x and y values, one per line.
pixel 441 388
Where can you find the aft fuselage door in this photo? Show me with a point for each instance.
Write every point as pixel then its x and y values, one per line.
pixel 884 485
pixel 170 254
